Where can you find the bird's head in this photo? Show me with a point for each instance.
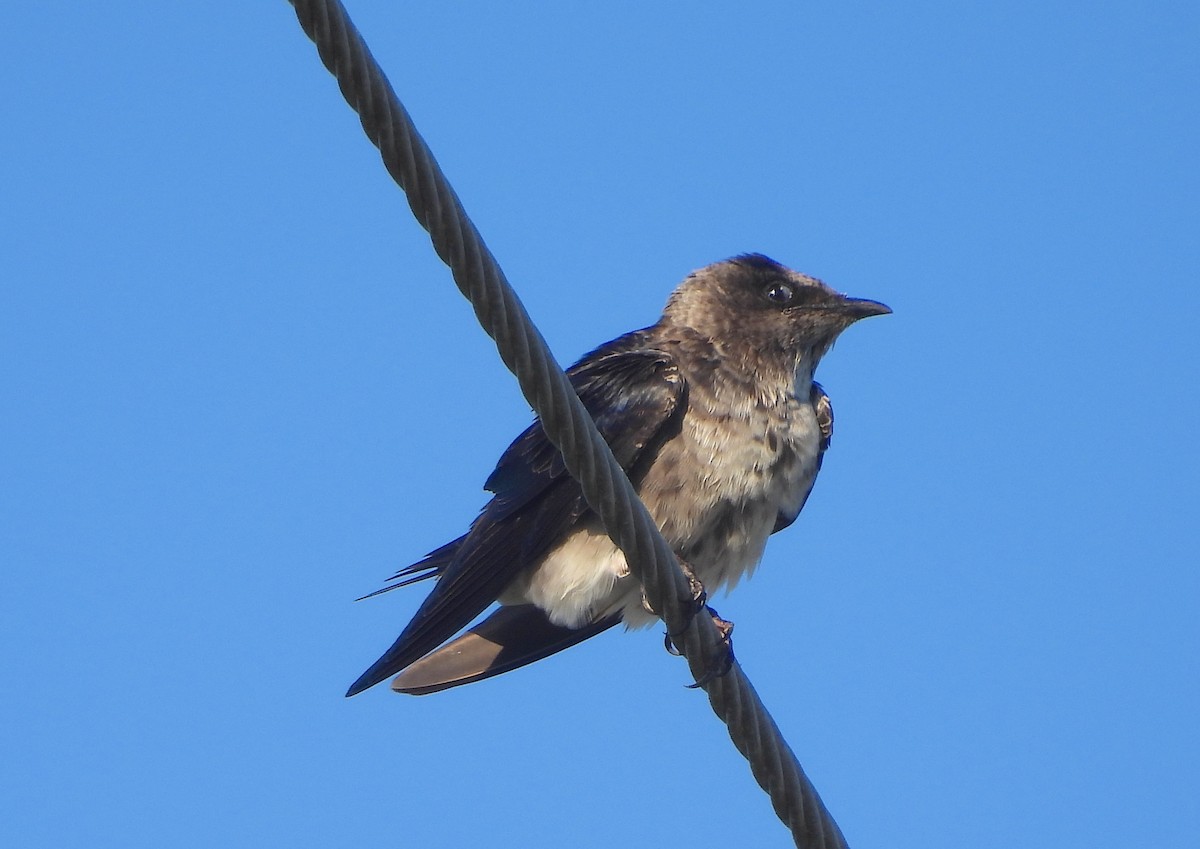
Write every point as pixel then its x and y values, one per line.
pixel 752 308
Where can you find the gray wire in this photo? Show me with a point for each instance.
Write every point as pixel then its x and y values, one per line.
pixel 564 419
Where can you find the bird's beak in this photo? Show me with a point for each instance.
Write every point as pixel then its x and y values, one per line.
pixel 856 308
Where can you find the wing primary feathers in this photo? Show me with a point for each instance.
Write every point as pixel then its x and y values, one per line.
pixel 429 566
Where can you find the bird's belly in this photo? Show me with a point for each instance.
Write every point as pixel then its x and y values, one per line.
pixel 576 582
pixel 716 491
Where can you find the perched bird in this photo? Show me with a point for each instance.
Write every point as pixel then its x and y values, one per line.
pixel 713 413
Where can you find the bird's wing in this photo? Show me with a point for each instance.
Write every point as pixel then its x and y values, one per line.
pixel 636 396
pixel 824 410
pixel 429 566
pixel 633 394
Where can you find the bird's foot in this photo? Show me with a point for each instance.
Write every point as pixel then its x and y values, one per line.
pixel 722 666
pixel 699 599
pixel 698 594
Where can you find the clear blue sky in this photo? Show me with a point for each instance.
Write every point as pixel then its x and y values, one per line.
pixel 240 390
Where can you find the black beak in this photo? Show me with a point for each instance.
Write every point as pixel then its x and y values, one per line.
pixel 856 308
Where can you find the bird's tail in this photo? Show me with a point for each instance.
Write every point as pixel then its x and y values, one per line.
pixel 513 636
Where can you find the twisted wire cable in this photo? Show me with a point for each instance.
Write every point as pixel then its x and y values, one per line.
pixel 564 419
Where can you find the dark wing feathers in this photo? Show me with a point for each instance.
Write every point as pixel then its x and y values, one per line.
pixel 635 395
pixel 631 393
pixel 430 566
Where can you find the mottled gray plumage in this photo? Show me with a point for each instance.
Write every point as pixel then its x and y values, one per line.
pixel 713 413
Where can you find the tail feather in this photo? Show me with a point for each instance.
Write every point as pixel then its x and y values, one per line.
pixel 512 637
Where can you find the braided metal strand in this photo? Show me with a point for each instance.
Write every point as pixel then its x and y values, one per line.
pixel 564 419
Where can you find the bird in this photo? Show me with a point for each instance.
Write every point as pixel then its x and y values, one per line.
pixel 714 414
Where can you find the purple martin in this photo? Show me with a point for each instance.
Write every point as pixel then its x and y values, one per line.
pixel 713 413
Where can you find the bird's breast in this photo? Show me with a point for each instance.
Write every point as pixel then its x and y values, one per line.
pixel 715 489
pixel 718 488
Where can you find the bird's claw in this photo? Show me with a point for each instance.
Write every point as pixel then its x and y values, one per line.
pixel 699 599
pixel 699 595
pixel 722 667
pixel 669 644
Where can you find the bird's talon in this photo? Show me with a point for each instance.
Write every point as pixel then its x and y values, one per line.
pixel 669 644
pixel 646 605
pixel 695 586
pixel 721 669
pixel 699 595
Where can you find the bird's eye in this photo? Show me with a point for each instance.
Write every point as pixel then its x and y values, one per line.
pixel 780 293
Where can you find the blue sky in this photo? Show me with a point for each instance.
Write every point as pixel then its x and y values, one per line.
pixel 241 391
